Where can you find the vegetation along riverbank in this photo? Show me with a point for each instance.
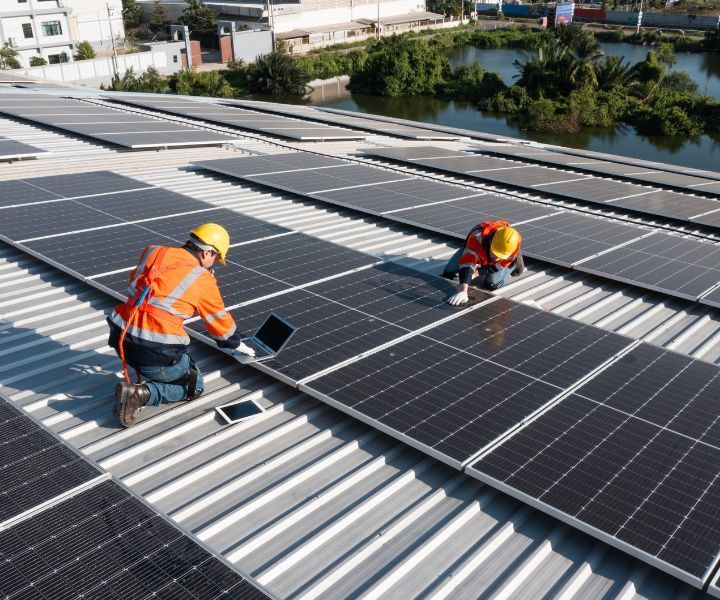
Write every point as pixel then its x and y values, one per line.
pixel 564 81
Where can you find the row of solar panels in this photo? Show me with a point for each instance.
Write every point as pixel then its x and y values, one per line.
pixel 67 530
pixel 683 267
pixel 704 184
pixel 699 210
pixel 379 341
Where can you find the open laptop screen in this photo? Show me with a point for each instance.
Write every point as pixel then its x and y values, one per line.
pixel 273 333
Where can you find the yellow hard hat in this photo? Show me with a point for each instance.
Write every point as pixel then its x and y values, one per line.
pixel 215 236
pixel 505 242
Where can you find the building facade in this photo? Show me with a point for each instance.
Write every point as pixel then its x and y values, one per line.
pixel 52 29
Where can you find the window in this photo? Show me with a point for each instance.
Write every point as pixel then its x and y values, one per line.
pixel 22 1
pixel 51 28
pixel 27 30
pixel 55 59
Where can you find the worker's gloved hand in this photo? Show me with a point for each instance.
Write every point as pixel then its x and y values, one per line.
pixel 458 299
pixel 244 350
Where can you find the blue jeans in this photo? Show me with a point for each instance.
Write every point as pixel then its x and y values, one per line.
pixel 158 379
pixel 490 276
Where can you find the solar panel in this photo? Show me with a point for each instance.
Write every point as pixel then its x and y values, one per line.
pixel 630 457
pixel 673 205
pixel 397 294
pixel 34 465
pixel 416 152
pixel 103 543
pixel 399 195
pixel 227 115
pixel 13 150
pixel 662 262
pixel 325 116
pixel 298 259
pixel 591 189
pixel 272 163
pixel 54 111
pixel 316 180
pixel 712 298
pixel 41 189
pixel 327 334
pixel 528 356
pixel 457 217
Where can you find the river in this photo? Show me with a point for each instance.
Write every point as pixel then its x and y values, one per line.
pixel 701 152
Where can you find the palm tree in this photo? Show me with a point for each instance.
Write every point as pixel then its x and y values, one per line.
pixel 277 74
pixel 612 71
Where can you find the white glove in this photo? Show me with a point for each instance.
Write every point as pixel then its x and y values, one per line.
pixel 245 350
pixel 458 299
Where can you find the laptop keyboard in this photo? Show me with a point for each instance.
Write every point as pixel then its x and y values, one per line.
pixel 259 350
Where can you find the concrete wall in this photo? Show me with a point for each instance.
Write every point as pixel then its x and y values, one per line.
pixel 661 20
pixel 101 70
pixel 92 23
pixel 345 14
pixel 251 44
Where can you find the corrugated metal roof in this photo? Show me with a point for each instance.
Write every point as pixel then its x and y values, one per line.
pixel 309 501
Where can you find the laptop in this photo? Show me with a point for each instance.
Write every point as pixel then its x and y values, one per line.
pixel 269 339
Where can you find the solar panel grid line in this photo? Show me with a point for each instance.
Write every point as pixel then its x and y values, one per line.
pixel 121 224
pixel 138 189
pixel 393 342
pixel 31 512
pixel 567 392
pixel 397 210
pixel 356 186
pixel 613 249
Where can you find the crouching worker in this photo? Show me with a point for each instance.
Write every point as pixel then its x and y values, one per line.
pixel 168 286
pixel 493 248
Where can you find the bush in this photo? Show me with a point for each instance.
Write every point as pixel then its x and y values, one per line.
pixel 331 64
pixel 151 81
pixel 84 51
pixel 190 82
pixel 276 74
pixel 8 58
pixel 513 100
pixel 398 66
pixel 37 61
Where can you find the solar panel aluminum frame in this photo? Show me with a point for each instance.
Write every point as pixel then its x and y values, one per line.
pixel 592 531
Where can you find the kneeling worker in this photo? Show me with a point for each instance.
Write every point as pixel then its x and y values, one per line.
pixel 493 248
pixel 169 285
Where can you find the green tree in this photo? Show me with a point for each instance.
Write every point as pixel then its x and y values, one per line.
pixel 611 71
pixel 198 17
pixel 84 51
pixel 712 39
pixel 8 58
pixel 37 61
pixel 159 21
pixel 277 74
pixel 131 13
pixel 398 66
pixel 450 8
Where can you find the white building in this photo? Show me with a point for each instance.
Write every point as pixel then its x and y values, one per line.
pixel 52 29
pixel 311 23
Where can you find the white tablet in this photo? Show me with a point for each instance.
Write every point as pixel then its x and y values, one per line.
pixel 239 410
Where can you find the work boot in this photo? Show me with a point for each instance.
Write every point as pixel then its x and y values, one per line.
pixel 128 398
pixel 450 276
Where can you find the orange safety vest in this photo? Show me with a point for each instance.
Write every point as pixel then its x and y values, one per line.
pixel 180 288
pixel 477 246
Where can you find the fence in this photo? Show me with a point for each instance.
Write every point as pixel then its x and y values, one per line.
pixel 165 57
